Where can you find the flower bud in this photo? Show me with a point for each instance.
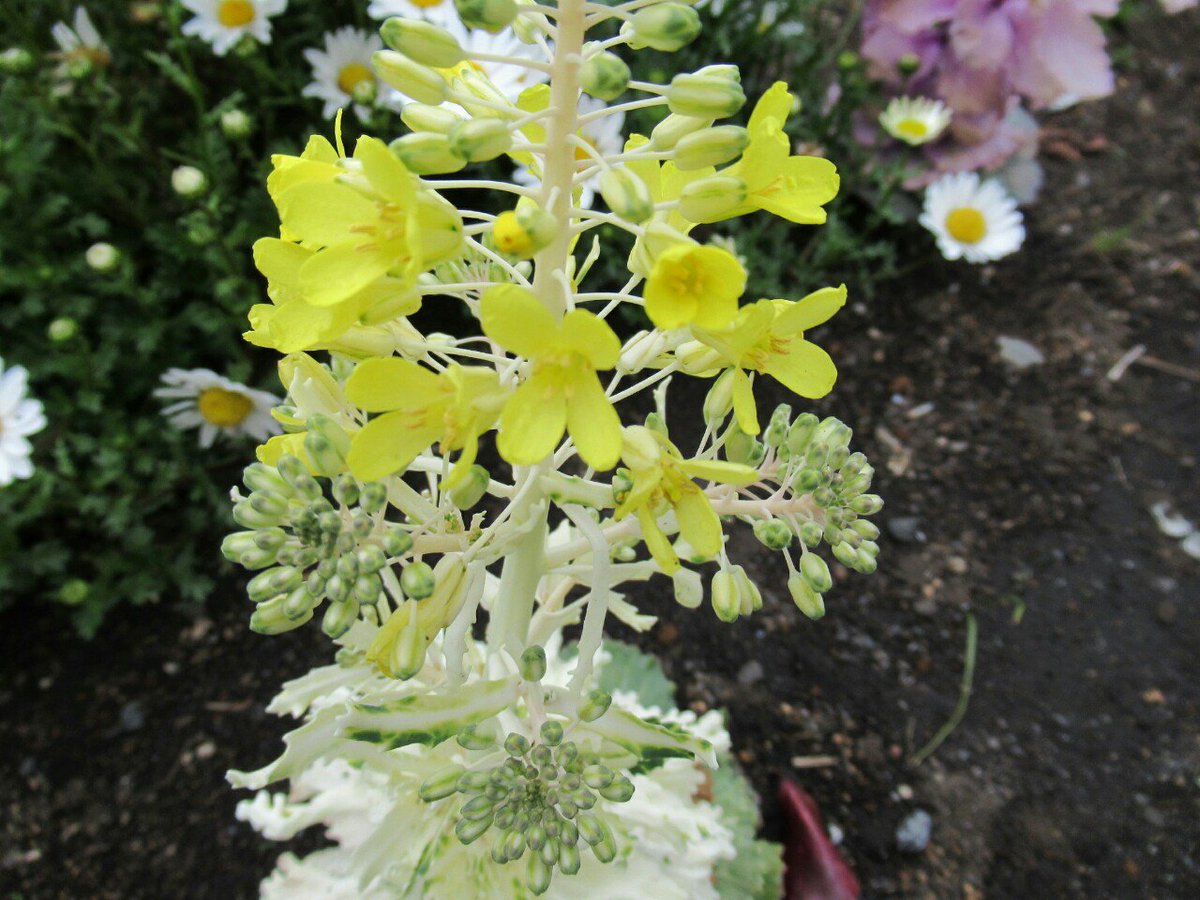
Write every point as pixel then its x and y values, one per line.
pixel 726 600
pixel 749 597
pixel 421 83
pixel 102 257
pixel 299 603
pixel 537 874
pixel 16 61
pixel 816 572
pixel 396 541
pixel 326 445
pixel 867 504
pixel 248 517
pixel 774 534
pixel 846 555
pixel 811 534
pixel 269 618
pixel 339 617
pixel 626 195
pixel 74 592
pixel 867 530
pixel 641 351
pixel 470 830
pixel 423 117
pixel 670 131
pixel 552 733
pixel 62 329
pixel 490 15
pixel 441 784
pixel 471 489
pixel 524 231
pixel 719 400
pixel 605 76
pixel 188 181
pixel 478 140
pixel 806 599
pixel 689 588
pixel 533 664
pixel 801 432
pixel 422 42
pixel 595 705
pixel 417 580
pixel 710 147
pixel 665 26
pixel 407 656
pixel 235 123
pixel 711 199
pixel 471 738
pixel 743 448
pixel 427 153
pixel 295 473
pixel 833 432
pixel 908 64
pixel 706 94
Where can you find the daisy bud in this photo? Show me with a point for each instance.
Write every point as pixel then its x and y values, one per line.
pixel 423 117
pixel 269 618
pixel 74 592
pixel 774 534
pixel 412 79
pixel 711 199
pixel 605 76
pixel 689 588
pixel 670 131
pixel 524 231
pixel 816 572
pixel 62 329
pixel 666 26
pixel 533 664
pixel 595 706
pixel 908 64
pixel 490 15
pixel 715 92
pixel 427 153
pixel 626 195
pixel 480 139
pixel 339 617
pixel 710 147
pixel 102 257
pixel 422 41
pixel 235 124
pixel 16 61
pixel 188 181
pixel 726 602
pixel 806 599
pixel 418 581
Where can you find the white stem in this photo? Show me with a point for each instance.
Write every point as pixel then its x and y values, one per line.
pixel 597 600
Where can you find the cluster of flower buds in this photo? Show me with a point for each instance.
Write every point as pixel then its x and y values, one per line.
pixel 311 547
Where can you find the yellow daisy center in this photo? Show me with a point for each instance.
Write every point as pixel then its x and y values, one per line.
pixel 352 76
pixel 224 408
pixel 426 4
pixel 966 225
pixel 913 128
pixel 236 13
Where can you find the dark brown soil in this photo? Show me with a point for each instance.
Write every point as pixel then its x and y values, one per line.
pixel 1077 770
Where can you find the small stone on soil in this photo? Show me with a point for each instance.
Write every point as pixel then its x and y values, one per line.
pixel 914 832
pixel 906 529
pixel 1018 353
pixel 750 674
pixel 133 717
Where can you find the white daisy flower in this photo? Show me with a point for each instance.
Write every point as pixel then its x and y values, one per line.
pixel 973 220
pixel 605 137
pixel 224 22
pixel 20 416
pixel 438 11
pixel 915 120
pixel 342 73
pixel 80 41
pixel 216 405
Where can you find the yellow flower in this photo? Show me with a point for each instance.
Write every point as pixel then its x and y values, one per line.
pixel 662 481
pixel 562 391
pixel 694 284
pixel 454 407
pixel 791 187
pixel 363 231
pixel 768 337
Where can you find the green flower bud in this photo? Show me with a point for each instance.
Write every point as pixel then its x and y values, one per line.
pixel 594 706
pixel 470 830
pixel 552 733
pixel 417 580
pixel 569 859
pixel 514 845
pixel 299 603
pixel 833 432
pixel 908 64
pixel 337 588
pixel 234 545
pixel 537 874
pixel 865 563
pixel 478 140
pixel 816 572
pixel 62 329
pixel 774 534
pixel 719 399
pixel 326 445
pixel 749 597
pixel 408 654
pixel 345 489
pixel 396 541
pixel 591 829
pixel 710 147
pixel 533 664
pixel 726 602
pixel 16 61
pixel 711 199
pixel 270 618
pixel 102 257
pixel 777 428
pixel 422 42
pixel 867 504
pixel 808 601
pixel 689 588
pixel 296 474
pixel 743 448
pixel 371 559
pixel 516 744
pixel 477 808
pixel 366 589
pixel 421 83
pixel 427 153
pixel 619 791
pixel 626 194
pixel 705 95
pixel 259 477
pixel 605 851
pixel 665 26
pixel 423 117
pixel 74 592
pixel 472 489
pixel 670 131
pixel 810 534
pixel 268 504
pixel 236 124
pixel 471 738
pixel 490 15
pixel 441 784
pixel 372 497
pixel 271 582
pixel 869 531
pixel 806 481
pixel 801 432
pixel 605 76
pixel 846 555
pixel 339 617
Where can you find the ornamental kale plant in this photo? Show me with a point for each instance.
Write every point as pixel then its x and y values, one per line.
pixel 447 503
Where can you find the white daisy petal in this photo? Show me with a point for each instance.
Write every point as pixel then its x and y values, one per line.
pixel 20 416
pixel 972 220
pixel 223 23
pixel 216 406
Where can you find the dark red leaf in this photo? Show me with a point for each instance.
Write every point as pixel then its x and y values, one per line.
pixel 814 868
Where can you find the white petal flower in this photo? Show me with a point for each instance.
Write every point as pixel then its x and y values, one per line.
pixel 972 219
pixel 79 43
pixel 216 405
pixel 20 416
pixel 222 23
pixel 343 69
pixel 605 136
pixel 438 11
pixel 915 120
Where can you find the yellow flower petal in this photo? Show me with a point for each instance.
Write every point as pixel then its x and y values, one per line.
pixel 325 213
pixel 693 283
pixel 657 543
pixel 744 408
pixel 389 444
pixel 280 262
pixel 698 522
pixel 721 471
pixel 797 193
pixel 337 273
pixel 516 320
pixel 280 446
pixel 805 368
pixel 533 421
pixel 593 423
pixel 811 311
pixel 385 171
pixel 380 385
pixel 591 337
